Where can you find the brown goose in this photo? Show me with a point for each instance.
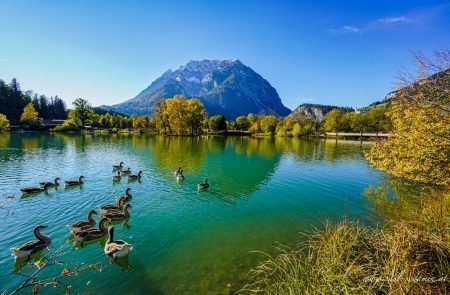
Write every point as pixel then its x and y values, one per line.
pixel 75 182
pixel 118 206
pixel 30 190
pixel 118 167
pixel 83 224
pixel 33 246
pixel 49 183
pixel 127 197
pixel 116 215
pixel 92 233
pixel 135 177
pixel 127 172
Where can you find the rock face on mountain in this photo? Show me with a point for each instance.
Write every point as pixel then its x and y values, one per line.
pixel 316 111
pixel 227 87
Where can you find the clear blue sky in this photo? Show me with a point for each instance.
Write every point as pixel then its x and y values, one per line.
pixel 329 52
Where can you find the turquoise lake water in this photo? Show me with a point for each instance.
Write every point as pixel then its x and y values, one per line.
pixel 185 242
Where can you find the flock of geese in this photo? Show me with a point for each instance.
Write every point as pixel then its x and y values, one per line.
pixel 84 230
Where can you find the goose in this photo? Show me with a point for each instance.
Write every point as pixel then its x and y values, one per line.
pixel 83 224
pixel 116 248
pixel 135 177
pixel 180 176
pixel 90 234
pixel 49 183
pixel 117 177
pixel 118 167
pixel 128 171
pixel 33 246
pixel 75 182
pixel 30 190
pixel 203 185
pixel 118 206
pixel 127 197
pixel 177 171
pixel 116 215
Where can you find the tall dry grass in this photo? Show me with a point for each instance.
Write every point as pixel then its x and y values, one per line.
pixel 398 258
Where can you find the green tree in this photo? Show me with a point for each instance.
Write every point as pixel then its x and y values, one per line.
pixel 269 123
pixel 195 115
pixel 296 130
pixel 378 120
pixel 218 123
pixel 4 123
pixel 82 114
pixel 242 123
pixel 332 121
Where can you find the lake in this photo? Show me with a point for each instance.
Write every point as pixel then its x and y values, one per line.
pixel 262 191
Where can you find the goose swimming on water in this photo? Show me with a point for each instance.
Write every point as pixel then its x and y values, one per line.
pixel 30 190
pixel 75 182
pixel 115 215
pixel 118 167
pixel 128 171
pixel 203 185
pixel 33 246
pixel 118 206
pixel 116 248
pixel 83 224
pixel 92 233
pixel 127 197
pixel 135 177
pixel 117 177
pixel 49 184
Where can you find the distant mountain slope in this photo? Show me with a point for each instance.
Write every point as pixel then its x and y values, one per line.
pixel 227 87
pixel 317 111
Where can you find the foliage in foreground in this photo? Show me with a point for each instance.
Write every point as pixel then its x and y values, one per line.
pixel 350 258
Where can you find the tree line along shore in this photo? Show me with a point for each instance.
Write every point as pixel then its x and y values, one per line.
pixel 175 116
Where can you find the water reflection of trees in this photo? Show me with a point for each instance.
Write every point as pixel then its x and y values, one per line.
pixel 396 200
pixel 171 152
pixel 4 140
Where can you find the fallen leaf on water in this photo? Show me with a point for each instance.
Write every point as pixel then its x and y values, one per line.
pixel 65 271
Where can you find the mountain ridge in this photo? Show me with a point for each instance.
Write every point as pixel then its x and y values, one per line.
pixel 224 86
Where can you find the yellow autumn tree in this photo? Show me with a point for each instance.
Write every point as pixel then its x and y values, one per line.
pixel 30 115
pixel 4 123
pixel 419 148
